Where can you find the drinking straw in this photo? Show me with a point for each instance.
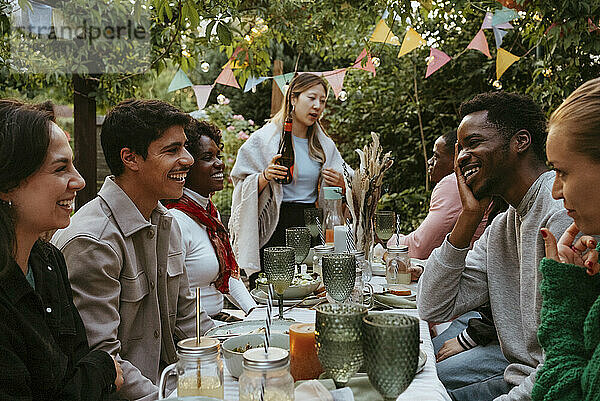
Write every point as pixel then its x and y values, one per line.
pixel 320 228
pixel 397 230
pixel 198 335
pixel 267 335
pixel 350 238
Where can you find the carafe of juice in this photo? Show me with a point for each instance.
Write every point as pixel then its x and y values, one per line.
pixel 332 209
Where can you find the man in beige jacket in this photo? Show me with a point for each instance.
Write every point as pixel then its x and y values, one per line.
pixel 123 248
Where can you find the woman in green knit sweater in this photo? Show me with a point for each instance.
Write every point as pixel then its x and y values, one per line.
pixel 569 331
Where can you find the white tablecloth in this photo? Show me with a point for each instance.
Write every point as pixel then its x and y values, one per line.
pixel 425 387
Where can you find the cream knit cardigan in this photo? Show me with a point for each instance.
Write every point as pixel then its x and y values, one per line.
pixel 254 216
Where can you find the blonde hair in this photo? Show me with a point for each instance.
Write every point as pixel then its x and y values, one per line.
pixel 579 117
pixel 299 84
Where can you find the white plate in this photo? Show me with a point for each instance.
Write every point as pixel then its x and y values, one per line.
pixel 261 298
pixel 248 326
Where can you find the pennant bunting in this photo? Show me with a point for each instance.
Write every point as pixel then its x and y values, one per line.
pixel 283 80
pixel 226 77
pixel 179 81
pixel 411 41
pixel 592 27
pixel 202 93
pixel 336 80
pixel 480 43
pixel 318 73
pixel 504 15
pixel 487 21
pixel 506 26
pixel 437 59
pixel 504 59
pixel 499 35
pixel 383 34
pixel 368 65
pixel 252 81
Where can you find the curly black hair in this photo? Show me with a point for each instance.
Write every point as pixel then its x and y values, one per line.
pixel 195 129
pixel 510 113
pixel 134 124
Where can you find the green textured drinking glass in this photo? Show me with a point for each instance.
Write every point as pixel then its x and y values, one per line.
pixel 339 275
pixel 299 239
pixel 391 351
pixel 385 224
pixel 338 334
pixel 310 219
pixel 279 266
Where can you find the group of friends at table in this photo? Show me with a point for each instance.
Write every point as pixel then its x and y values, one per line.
pixel 95 313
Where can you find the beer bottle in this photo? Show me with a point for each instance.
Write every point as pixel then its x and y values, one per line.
pixel 286 150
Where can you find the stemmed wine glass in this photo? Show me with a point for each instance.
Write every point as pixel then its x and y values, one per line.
pixel 310 219
pixel 279 266
pixel 385 225
pixel 299 239
pixel 339 275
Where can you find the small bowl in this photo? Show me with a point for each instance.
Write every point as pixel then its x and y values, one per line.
pixel 296 291
pixel 233 359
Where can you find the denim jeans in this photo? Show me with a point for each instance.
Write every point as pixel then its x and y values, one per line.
pixel 475 374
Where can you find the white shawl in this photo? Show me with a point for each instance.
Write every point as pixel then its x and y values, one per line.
pixel 254 217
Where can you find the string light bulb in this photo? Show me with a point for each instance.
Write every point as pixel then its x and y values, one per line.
pixel 343 95
pixel 376 62
pixel 394 40
pixel 221 99
pixel 430 59
pixel 497 84
pixel 205 67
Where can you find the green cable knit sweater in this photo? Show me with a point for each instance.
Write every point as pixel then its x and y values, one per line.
pixel 569 333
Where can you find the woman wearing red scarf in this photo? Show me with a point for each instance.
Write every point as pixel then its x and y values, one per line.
pixel 208 256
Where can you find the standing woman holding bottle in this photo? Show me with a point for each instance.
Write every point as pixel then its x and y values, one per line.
pixel 262 206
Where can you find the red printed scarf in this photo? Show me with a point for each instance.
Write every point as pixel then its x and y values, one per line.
pixel 219 238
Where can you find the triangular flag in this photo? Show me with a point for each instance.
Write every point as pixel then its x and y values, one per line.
pixel 336 80
pixel 317 73
pixel 504 15
pixel 252 81
pixel 202 93
pixel 506 26
pixel 499 35
pixel 383 33
pixel 226 77
pixel 436 61
pixel 179 81
pixel 480 43
pixel 368 65
pixel 487 21
pixel 283 80
pixel 411 41
pixel 593 26
pixel 504 60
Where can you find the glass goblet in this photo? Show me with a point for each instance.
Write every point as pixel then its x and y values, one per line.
pixel 279 267
pixel 338 334
pixel 310 219
pixel 391 352
pixel 299 239
pixel 385 225
pixel 339 275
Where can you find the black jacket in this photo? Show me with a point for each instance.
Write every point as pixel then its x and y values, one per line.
pixel 44 353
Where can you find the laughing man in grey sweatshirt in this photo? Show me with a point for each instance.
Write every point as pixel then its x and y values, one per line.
pixel 500 151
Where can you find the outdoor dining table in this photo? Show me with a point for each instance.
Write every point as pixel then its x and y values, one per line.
pixel 425 387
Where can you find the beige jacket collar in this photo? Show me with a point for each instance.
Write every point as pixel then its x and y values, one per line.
pixel 127 216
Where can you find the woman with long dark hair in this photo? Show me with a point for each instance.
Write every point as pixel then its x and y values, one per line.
pixel 44 352
pixel 261 207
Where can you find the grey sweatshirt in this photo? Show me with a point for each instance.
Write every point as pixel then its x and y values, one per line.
pixel 502 269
